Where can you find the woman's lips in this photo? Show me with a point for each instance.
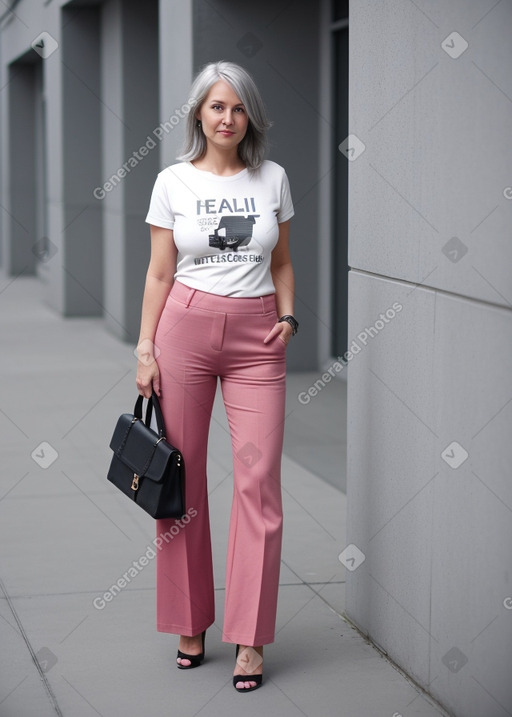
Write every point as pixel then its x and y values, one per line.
pixel 226 133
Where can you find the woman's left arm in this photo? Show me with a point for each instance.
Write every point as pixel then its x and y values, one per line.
pixel 284 283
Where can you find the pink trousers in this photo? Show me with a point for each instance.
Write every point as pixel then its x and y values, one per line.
pixel 201 337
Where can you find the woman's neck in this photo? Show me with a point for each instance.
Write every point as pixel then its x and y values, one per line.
pixel 221 163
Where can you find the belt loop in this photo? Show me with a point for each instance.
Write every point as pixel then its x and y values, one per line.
pixel 262 300
pixel 189 297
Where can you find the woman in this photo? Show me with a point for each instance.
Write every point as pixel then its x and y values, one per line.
pixel 218 303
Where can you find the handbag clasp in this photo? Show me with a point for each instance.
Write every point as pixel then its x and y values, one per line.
pixel 135 482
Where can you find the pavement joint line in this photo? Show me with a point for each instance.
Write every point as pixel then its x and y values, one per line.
pixel 46 684
pixel 315 594
pixel 426 695
pixel 75 593
pixel 325 601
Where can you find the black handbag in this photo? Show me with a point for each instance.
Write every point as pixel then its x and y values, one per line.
pixel 145 467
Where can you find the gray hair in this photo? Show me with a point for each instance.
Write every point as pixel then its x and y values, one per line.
pixel 253 146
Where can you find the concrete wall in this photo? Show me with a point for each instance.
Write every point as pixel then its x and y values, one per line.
pixel 100 84
pixel 18 79
pixel 82 234
pixel 429 213
pixel 21 219
pixel 279 46
pixel 131 153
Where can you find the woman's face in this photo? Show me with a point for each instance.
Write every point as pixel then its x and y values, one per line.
pixel 223 117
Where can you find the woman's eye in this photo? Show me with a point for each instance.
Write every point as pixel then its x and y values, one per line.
pixel 236 109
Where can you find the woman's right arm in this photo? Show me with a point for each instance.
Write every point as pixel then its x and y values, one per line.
pixel 159 281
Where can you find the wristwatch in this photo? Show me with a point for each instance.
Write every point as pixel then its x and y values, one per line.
pixel 292 321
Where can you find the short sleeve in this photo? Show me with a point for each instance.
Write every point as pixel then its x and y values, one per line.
pixel 160 213
pixel 286 210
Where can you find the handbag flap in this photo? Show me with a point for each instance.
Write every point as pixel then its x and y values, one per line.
pixel 137 447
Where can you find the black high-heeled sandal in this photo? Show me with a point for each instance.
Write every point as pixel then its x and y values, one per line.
pixel 248 677
pixel 195 660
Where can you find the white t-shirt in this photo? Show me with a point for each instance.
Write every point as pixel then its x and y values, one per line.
pixel 224 227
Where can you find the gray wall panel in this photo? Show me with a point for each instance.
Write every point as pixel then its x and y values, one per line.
pixel 429 417
pixel 437 160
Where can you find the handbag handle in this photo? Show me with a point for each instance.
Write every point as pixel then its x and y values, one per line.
pixel 153 403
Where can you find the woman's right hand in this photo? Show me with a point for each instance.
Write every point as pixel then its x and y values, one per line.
pixel 148 378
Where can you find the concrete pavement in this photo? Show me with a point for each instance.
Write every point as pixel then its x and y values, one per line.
pixel 66 536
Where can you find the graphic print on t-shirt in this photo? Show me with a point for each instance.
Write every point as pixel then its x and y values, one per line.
pixel 230 225
pixel 233 232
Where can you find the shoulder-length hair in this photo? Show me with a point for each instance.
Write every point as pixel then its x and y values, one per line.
pixel 253 146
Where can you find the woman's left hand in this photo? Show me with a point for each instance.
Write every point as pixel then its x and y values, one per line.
pixel 282 330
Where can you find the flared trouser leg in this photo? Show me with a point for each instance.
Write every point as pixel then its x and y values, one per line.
pixel 255 411
pixel 201 337
pixel 184 574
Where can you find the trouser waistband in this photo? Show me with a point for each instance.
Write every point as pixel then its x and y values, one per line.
pixel 228 304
